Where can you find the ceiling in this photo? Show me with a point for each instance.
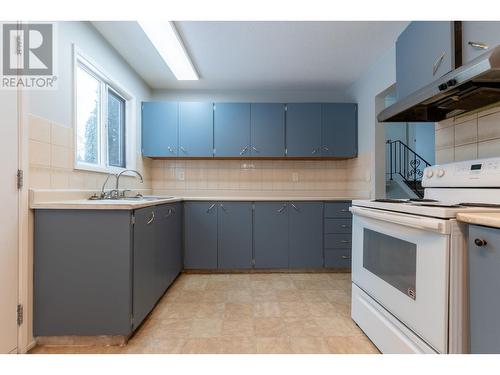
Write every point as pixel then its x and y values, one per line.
pixel 260 55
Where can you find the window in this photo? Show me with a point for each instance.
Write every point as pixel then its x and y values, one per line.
pixel 103 133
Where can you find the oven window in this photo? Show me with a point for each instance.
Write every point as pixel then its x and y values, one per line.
pixel 391 259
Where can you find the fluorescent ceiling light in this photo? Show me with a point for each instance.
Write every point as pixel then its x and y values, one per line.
pixel 169 45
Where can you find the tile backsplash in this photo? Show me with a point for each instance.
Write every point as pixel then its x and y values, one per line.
pixel 51 160
pixel 472 136
pixel 340 178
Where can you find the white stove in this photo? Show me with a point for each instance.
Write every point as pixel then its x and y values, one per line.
pixel 408 260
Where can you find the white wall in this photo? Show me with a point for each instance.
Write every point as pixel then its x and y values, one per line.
pixel 57 105
pixel 377 79
pixel 251 95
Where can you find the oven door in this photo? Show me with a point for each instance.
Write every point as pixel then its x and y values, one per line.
pixel 401 261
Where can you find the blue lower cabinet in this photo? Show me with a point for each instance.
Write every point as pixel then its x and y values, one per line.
pixel 200 235
pixel 337 258
pixel 306 235
pixel 171 233
pixel 271 235
pixel 145 279
pixel 235 235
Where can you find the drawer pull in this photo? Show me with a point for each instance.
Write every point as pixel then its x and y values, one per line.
pixel 281 209
pixel 480 243
pixel 344 226
pixel 345 257
pixel 344 210
pixel 478 45
pixel 345 241
pixel 152 218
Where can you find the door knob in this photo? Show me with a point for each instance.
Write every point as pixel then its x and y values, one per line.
pixel 480 243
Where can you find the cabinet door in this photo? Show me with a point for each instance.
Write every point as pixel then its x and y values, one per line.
pixel 306 235
pixel 484 282
pixel 235 235
pixel 200 235
pixel 145 284
pixel 162 248
pixel 267 130
pixel 159 129
pixel 196 129
pixel 424 52
pixel 339 130
pixel 303 130
pixel 175 241
pixel 478 37
pixel 271 235
pixel 232 129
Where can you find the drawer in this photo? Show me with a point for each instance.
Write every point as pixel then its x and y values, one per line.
pixel 338 241
pixel 339 258
pixel 338 225
pixel 338 209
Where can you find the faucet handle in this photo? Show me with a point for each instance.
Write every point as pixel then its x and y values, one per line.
pixel 123 193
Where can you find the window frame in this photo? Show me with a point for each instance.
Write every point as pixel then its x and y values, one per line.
pixel 107 83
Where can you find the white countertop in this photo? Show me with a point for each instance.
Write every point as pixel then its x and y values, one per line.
pixel 488 219
pixel 79 200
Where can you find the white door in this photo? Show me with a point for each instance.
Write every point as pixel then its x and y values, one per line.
pixel 8 221
pixel 401 261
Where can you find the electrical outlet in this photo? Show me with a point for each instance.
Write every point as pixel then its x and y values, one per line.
pixel 181 175
pixel 295 177
pixel 247 166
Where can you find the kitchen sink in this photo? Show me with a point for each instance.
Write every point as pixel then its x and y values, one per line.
pixel 138 198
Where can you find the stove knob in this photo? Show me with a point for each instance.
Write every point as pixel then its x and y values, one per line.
pixel 429 173
pixel 440 172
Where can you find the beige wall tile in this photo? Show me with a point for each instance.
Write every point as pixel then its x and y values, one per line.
pixel 39 153
pixel 466 152
pixel 465 118
pixel 61 157
pixel 62 136
pixel 39 129
pixel 39 178
pixel 488 149
pixel 466 132
pixel 489 127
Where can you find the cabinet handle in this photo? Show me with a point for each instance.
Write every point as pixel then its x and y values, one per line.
pixel 210 208
pixel 170 149
pixel 344 210
pixel 152 218
pixel 294 207
pixel 171 211
pixel 281 209
pixel 183 149
pixel 437 63
pixel 325 148
pixel 223 208
pixel 315 150
pixel 345 257
pixel 253 148
pixel 480 243
pixel 243 150
pixel 344 241
pixel 344 226
pixel 478 45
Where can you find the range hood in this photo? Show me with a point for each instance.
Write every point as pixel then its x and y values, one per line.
pixel 464 89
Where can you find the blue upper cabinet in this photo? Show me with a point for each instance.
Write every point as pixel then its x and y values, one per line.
pixel 267 130
pixel 232 130
pixel 424 52
pixel 160 129
pixel 478 37
pixel 195 129
pixel 339 130
pixel 303 130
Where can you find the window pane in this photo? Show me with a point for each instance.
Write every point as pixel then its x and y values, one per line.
pixel 88 115
pixel 116 130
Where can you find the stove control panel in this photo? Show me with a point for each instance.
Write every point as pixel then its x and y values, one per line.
pixel 470 173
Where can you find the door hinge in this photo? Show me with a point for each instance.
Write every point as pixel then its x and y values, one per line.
pixel 132 219
pixel 20 314
pixel 20 178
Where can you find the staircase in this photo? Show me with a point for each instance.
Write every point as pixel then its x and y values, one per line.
pixel 407 164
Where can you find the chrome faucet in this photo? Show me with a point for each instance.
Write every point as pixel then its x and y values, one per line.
pixel 109 194
pixel 118 180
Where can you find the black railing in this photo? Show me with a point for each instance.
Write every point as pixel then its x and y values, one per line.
pixel 408 164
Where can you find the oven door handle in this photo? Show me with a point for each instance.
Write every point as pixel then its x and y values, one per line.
pixel 426 223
